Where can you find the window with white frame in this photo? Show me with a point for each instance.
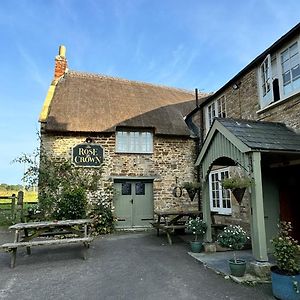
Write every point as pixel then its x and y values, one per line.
pixel 266 82
pixel 215 109
pixel 219 197
pixel 290 69
pixel 134 142
pixel 279 75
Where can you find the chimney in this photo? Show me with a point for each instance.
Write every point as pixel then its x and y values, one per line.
pixel 60 63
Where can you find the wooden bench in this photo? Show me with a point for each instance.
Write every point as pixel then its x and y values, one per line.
pixel 169 229
pixel 12 247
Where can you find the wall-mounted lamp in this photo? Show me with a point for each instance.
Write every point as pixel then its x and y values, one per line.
pixel 236 85
pixel 89 140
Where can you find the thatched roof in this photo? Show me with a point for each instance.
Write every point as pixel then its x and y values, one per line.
pixel 85 102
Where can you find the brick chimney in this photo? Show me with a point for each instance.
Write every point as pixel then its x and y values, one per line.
pixel 60 63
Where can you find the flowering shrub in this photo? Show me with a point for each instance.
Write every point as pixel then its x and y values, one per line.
pixel 101 211
pixel 233 237
pixel 286 249
pixel 197 226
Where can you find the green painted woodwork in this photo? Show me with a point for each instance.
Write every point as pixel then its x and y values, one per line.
pixel 135 209
pixel 220 146
pixel 258 234
pixel 271 208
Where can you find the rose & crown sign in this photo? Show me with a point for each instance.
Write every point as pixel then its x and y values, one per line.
pixel 87 155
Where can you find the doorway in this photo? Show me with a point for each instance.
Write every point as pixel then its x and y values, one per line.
pixel 133 203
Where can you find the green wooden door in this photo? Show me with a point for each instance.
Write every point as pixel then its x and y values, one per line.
pixel 133 203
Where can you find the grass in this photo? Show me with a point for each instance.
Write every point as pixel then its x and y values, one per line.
pixel 29 196
pixel 6 219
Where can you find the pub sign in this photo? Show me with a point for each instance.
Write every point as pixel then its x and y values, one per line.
pixel 87 155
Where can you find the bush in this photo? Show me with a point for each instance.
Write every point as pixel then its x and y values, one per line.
pixel 72 205
pixel 285 250
pixel 197 226
pixel 103 220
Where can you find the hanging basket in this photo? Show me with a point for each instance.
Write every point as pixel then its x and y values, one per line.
pixel 238 193
pixel 192 193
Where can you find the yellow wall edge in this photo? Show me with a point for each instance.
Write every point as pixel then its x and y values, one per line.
pixel 46 106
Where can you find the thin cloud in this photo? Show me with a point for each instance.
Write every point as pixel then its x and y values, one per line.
pixel 31 66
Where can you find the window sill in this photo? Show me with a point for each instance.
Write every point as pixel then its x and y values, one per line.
pixel 279 102
pixel 140 153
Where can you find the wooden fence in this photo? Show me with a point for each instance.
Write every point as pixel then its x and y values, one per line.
pixel 13 207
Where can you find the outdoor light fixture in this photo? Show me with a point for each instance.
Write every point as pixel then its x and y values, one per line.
pixel 236 85
pixel 89 140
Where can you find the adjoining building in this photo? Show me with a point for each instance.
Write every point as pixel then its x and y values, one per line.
pixel 252 125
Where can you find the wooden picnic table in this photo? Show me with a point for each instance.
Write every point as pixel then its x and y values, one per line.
pixel 46 232
pixel 171 221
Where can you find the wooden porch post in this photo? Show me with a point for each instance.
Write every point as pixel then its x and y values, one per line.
pixel 259 243
pixel 206 210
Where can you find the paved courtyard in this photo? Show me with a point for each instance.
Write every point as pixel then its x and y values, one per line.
pixel 120 266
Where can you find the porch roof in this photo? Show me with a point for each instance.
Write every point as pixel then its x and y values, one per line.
pixel 235 138
pixel 260 135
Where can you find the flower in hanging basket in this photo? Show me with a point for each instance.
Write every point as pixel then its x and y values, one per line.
pixel 236 182
pixel 191 188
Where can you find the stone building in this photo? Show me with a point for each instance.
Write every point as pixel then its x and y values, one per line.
pixel 251 125
pixel 143 138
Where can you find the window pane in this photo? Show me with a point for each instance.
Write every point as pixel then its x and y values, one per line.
pixel 126 188
pixel 140 188
pixel 286 78
pixel 134 142
pixel 293 49
pixel 295 72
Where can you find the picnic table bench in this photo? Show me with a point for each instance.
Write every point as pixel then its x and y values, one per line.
pixel 172 221
pixel 48 230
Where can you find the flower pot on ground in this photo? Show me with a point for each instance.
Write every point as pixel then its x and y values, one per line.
pixel 198 228
pixel 286 274
pixel 192 188
pixel 235 238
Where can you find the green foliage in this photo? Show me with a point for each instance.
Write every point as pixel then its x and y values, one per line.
pixel 286 249
pixel 62 187
pixel 236 182
pixel 191 185
pixel 233 237
pixel 197 226
pixel 101 212
pixel 72 205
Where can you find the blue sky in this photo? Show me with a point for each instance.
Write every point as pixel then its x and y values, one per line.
pixel 180 43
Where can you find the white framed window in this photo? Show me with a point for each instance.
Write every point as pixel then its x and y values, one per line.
pixel 216 108
pixel 279 74
pixel 134 142
pixel 220 200
pixel 290 68
pixel 266 82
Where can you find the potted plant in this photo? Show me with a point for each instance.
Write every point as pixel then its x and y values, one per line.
pixel 237 185
pixel 198 227
pixel 191 188
pixel 234 237
pixel 286 273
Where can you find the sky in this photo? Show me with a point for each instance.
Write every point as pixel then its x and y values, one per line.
pixel 180 43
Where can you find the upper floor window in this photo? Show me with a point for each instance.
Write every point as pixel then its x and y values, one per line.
pixel 219 197
pixel 279 75
pixel 134 142
pixel 215 109
pixel 290 69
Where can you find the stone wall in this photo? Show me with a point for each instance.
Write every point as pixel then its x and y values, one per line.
pixel 172 157
pixel 243 103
